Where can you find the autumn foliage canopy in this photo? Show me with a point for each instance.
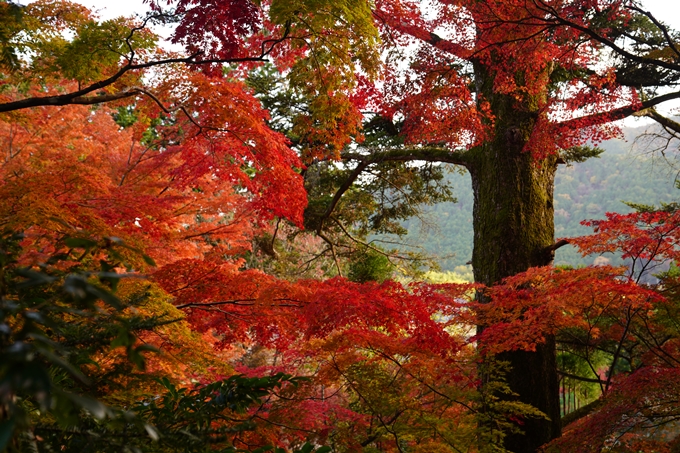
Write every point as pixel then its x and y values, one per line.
pixel 150 301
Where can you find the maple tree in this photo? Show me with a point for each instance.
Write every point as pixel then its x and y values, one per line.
pixel 194 167
pixel 184 188
pixel 507 98
pixel 61 199
pixel 623 331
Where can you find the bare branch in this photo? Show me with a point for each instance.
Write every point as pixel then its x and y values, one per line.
pixel 343 188
pixel 239 302
pixel 559 20
pixel 663 120
pixel 425 154
pixel 622 112
pixel 80 96
pixel 580 378
pixel 556 245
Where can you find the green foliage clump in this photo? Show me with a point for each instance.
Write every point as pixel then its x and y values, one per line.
pixel 56 318
pixel 370 266
pixel 68 342
pixel 98 46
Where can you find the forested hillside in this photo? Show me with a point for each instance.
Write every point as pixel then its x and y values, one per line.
pixel 624 172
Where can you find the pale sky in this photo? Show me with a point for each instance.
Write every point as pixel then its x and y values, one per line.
pixel 666 10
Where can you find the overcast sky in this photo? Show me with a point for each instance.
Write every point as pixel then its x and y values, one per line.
pixel 667 10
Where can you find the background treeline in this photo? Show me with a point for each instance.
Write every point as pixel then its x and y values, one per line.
pixel 627 171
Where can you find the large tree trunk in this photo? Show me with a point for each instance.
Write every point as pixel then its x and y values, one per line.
pixel 513 226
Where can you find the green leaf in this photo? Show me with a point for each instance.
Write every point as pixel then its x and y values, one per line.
pixel 147 348
pixel 264 449
pixel 148 260
pixel 307 448
pixel 33 278
pixel 124 338
pixel 62 223
pixel 61 363
pixel 151 431
pixel 81 243
pixel 137 359
pixel 98 409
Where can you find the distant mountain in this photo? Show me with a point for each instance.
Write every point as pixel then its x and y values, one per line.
pixel 625 172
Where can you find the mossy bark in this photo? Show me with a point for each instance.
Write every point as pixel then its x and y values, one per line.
pixel 513 226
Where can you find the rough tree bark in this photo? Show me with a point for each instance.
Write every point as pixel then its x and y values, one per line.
pixel 513 224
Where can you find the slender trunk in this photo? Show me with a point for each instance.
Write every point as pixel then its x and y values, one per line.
pixel 570 406
pixel 513 224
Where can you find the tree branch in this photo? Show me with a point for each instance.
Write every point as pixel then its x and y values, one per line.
pixel 556 245
pixel 426 154
pixel 80 96
pixel 559 20
pixel 238 302
pixel 580 378
pixel 659 25
pixel 369 246
pixel 426 36
pixel 622 112
pixel 343 188
pixel 662 120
